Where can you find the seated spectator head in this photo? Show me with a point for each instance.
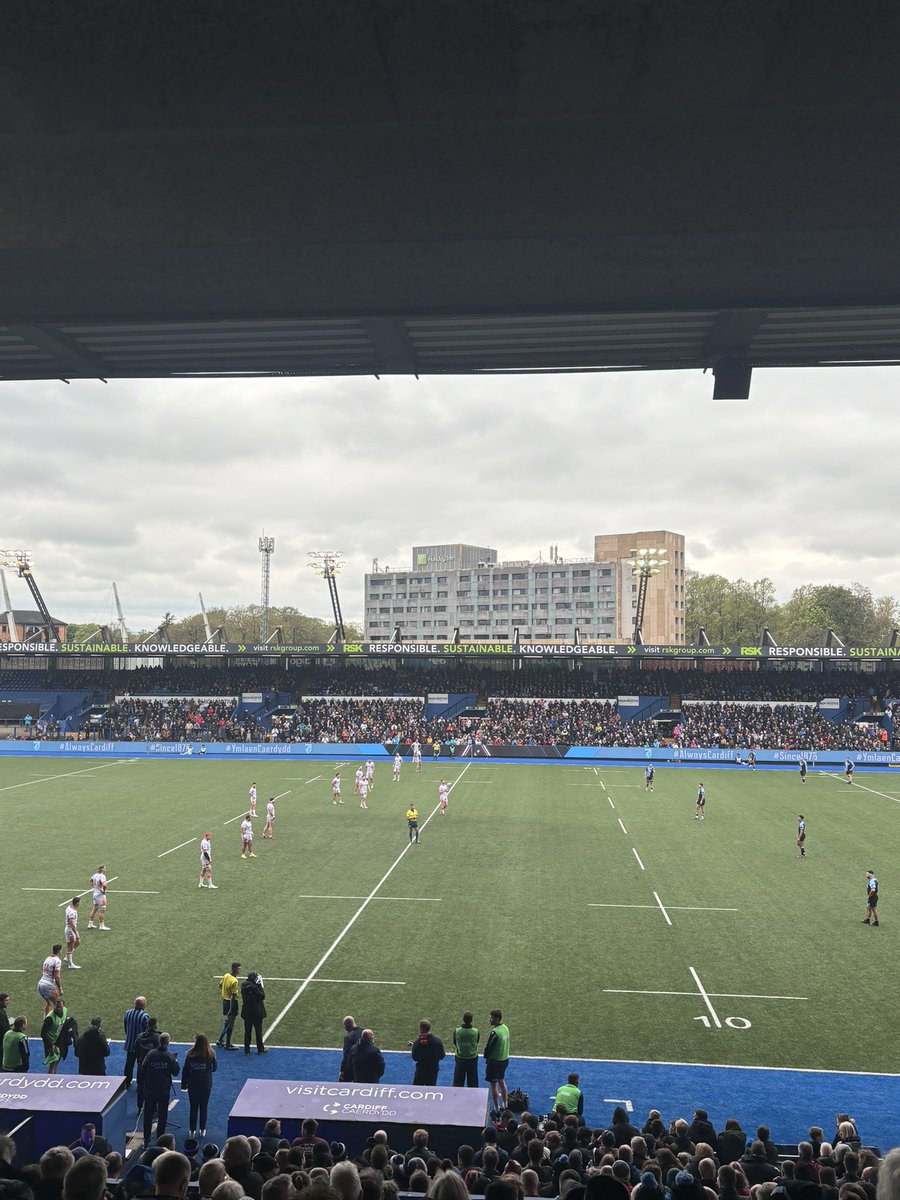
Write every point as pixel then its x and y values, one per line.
pixel 255 1145
pixel 212 1173
pixel 279 1187
pixel 166 1141
pixel 624 1152
pixel 621 1171
pixel 264 1165
pixel 706 1168
pixel 56 1161
pixel 300 1180
pixel 236 1152
pixel 85 1179
pixel 448 1186
pixel 805 1151
pixel 171 1174
pixel 230 1189
pixel 490 1162
pixel 757 1148
pixel 620 1116
pixel 531 1183
pixel 114 1164
pixel 309 1127
pixel 464 1157
pixel 507 1188
pixel 379 1158
pixel 345 1181
pixel 420 1138
pixel 816 1133
pixel 850 1162
pixel 418 1182
pixel 762 1134
pixel 489 1136
pixel 319 1176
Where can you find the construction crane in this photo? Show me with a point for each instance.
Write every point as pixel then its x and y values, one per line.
pixel 20 562
pixel 327 563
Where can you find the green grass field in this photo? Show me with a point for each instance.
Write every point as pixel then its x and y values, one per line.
pixel 529 895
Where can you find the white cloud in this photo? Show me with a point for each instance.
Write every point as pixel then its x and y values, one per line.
pixel 165 486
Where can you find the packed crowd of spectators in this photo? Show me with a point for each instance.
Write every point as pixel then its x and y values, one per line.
pixel 771 727
pixel 549 722
pixel 176 720
pixel 516 1157
pixel 343 720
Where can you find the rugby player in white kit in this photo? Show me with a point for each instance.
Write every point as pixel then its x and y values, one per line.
pixel 72 936
pixel 98 898
pixel 443 796
pixel 206 862
pixel 417 756
pixel 370 774
pixel 359 779
pixel 270 818
pixel 49 985
pixel 363 792
pixel 247 838
pixel 252 812
pixel 398 763
pixel 336 789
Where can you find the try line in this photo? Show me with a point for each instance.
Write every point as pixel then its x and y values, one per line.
pixel 359 912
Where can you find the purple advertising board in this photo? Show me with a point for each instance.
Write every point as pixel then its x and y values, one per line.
pixel 59 1105
pixel 349 1112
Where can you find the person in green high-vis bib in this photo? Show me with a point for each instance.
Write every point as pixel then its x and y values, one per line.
pixel 465 1043
pixel 570 1096
pixel 496 1060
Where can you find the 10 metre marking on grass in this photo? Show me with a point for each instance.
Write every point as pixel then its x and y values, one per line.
pixel 66 774
pixel 359 912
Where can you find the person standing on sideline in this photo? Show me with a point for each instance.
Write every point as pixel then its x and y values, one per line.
pixel 701 803
pixel 16 1054
pixel 352 1034
pixel 496 1060
pixel 367 1061
pixel 158 1070
pixel 73 938
pixel 197 1080
pixel 465 1043
pixel 49 985
pixel 871 899
pixel 135 1022
pixel 146 1041
pixel 253 1011
pixel 427 1052
pixel 230 988
pixel 801 835
pixel 803 769
pixel 5 1023
pixel 92 1049
pixel 848 769
pixel 51 1036
pixel 98 897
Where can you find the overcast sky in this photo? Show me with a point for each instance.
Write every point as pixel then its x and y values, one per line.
pixel 165 486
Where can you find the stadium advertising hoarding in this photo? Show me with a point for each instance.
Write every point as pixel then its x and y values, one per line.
pixel 551 752
pixel 329 1101
pixel 450 650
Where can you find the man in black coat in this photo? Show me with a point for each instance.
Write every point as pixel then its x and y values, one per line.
pixel 5 1022
pixel 701 1129
pixel 732 1142
pixel 366 1061
pixel 92 1050
pixel 253 1011
pixel 144 1043
pixel 352 1034
pixel 427 1052
pixel 158 1070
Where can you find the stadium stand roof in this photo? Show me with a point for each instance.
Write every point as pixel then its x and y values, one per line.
pixel 319 188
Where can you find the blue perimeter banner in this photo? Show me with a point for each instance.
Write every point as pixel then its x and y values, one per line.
pixel 312 751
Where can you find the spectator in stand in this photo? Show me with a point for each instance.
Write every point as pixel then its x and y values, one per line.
pixel 158 1070
pixel 197 1080
pixel 756 1165
pixel 85 1179
pixel 622 1129
pixel 731 1142
pixel 236 1155
pixel 171 1175
pixel 702 1129
pixel 55 1162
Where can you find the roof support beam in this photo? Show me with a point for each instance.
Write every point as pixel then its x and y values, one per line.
pixel 72 359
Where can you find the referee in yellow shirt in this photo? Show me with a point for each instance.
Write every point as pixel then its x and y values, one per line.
pixel 412 821
pixel 230 992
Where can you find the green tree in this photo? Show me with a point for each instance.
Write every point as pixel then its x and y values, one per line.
pixel 730 611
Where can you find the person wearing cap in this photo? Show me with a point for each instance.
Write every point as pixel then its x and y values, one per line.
pixel 253 1011
pixel 229 988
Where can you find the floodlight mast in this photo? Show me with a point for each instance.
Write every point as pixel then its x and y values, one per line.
pixel 20 562
pixel 327 563
pixel 266 549
pixel 644 563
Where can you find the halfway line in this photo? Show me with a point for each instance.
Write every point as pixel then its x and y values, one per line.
pixel 362 908
pixel 178 847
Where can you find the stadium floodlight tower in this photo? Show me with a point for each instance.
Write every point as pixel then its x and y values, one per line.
pixel 20 562
pixel 327 563
pixel 266 549
pixel 644 563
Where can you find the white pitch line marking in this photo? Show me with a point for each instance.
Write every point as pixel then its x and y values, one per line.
pixel 416 899
pixel 662 908
pixel 66 774
pixel 715 995
pixel 359 912
pixel 595 770
pixel 626 1104
pixel 672 907
pixel 313 780
pixel 69 892
pixel 622 827
pixel 874 791
pixel 12 970
pixel 178 847
pixel 85 892
pixel 603 785
pixel 301 979
pixel 244 813
pixel 706 999
pixel 638 857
